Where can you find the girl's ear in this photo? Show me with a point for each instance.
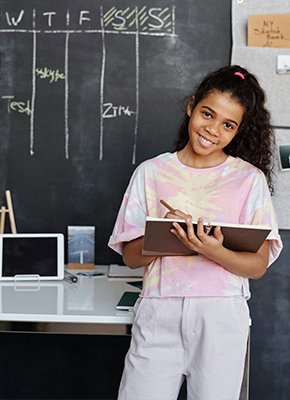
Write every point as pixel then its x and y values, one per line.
pixel 190 106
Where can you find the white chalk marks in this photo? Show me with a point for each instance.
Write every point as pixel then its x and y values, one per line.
pixel 136 21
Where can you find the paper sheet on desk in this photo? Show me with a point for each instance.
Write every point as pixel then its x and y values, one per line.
pixel 122 271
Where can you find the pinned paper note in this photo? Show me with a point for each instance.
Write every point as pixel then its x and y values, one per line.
pixel 269 30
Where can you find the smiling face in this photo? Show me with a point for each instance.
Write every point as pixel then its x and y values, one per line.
pixel 213 123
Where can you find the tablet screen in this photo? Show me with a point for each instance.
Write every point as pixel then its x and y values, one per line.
pixel 32 254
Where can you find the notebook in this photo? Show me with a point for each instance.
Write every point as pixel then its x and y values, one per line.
pixel 31 256
pixel 159 240
pixel 127 301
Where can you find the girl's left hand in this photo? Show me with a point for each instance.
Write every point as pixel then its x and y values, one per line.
pixel 200 241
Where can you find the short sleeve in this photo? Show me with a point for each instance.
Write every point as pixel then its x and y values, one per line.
pixel 130 222
pixel 260 210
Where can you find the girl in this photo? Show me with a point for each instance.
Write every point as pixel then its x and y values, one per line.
pixel 192 319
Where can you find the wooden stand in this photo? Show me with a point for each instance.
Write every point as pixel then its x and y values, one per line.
pixel 10 212
pixel 80 266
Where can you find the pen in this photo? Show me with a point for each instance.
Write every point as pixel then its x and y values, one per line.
pixel 70 277
pixel 207 227
pixel 168 206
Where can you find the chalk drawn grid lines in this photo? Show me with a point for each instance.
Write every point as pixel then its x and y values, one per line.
pixel 130 21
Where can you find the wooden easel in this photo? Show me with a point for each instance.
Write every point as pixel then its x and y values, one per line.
pixel 9 210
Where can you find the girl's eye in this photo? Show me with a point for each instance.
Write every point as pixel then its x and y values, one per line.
pixel 228 125
pixel 207 114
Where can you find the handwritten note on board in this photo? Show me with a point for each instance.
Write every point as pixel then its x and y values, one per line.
pixel 269 30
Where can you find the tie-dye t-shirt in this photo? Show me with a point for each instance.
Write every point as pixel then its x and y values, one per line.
pixel 234 192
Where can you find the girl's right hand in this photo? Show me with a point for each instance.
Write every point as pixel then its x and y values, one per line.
pixel 199 241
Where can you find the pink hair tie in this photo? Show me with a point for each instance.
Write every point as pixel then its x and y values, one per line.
pixel 240 75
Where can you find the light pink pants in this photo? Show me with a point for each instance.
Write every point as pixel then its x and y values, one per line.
pixel 203 339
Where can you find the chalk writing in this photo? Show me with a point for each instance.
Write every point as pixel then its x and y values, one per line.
pixel 111 111
pixel 22 107
pixel 151 19
pixel 271 33
pixel 132 20
pixel 51 74
pixel 13 20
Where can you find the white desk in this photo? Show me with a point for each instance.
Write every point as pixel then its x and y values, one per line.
pixel 87 306
pixel 52 305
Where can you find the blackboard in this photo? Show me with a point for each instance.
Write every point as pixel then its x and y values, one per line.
pixel 88 90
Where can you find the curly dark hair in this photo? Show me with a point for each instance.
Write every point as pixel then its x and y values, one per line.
pixel 255 140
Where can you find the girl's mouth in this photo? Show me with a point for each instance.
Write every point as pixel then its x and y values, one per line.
pixel 205 141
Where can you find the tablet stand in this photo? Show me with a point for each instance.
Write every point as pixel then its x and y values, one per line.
pixel 29 282
pixel 10 212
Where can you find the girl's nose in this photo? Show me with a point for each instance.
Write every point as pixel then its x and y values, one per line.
pixel 212 129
